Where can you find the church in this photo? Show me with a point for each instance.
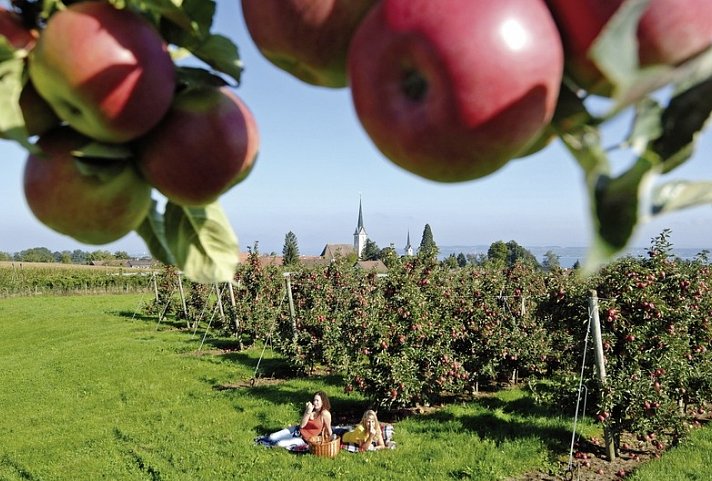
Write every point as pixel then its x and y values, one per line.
pixel 332 251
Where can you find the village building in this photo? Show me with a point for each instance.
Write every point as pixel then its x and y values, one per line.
pixel 333 252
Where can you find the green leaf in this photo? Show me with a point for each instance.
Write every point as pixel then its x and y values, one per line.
pixel 615 51
pixel 49 7
pixel 222 54
pixel 202 241
pixel 696 70
pixel 217 51
pixel 152 231
pixel 682 121
pixel 12 122
pixel 618 208
pixel 677 195
pixel 7 51
pixel 646 125
pixel 201 12
pixel 198 77
pixel 168 9
pixel 584 143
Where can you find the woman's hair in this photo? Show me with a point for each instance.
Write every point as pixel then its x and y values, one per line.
pixel 325 403
pixel 370 413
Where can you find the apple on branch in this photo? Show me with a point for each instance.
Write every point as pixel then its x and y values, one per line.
pixel 38 115
pixel 452 90
pixel 97 204
pixel 307 38
pixel 207 142
pixel 669 32
pixel 106 72
pixel 14 31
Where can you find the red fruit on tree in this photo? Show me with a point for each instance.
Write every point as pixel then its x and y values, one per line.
pixel 669 32
pixel 207 143
pixel 452 90
pixel 307 38
pixel 94 208
pixel 14 31
pixel 106 72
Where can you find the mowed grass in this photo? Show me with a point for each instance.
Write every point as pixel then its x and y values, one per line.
pixel 90 389
pixel 691 461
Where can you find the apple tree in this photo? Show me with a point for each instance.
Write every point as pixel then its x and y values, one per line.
pixel 99 94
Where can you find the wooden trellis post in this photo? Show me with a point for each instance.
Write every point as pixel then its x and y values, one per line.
pixel 601 368
pixel 292 315
pixel 155 286
pixel 234 310
pixel 182 296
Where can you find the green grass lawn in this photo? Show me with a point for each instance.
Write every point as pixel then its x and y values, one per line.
pixel 91 391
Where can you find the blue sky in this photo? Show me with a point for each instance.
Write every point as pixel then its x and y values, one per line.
pixel 316 162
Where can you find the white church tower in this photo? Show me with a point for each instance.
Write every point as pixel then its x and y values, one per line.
pixel 360 235
pixel 408 247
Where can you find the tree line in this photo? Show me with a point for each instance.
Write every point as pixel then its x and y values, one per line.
pixel 77 256
pixel 500 253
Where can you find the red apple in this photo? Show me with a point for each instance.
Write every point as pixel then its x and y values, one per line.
pixel 452 90
pixel 669 32
pixel 14 31
pixel 206 143
pixel 94 208
pixel 307 38
pixel 106 72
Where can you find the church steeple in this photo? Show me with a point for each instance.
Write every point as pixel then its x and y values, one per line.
pixel 408 247
pixel 360 235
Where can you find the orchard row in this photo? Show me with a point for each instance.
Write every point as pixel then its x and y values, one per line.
pixel 18 279
pixel 426 330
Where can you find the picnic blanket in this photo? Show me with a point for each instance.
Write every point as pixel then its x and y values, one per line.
pixel 386 429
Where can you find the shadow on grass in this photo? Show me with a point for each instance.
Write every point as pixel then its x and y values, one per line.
pixel 275 382
pixel 488 425
pixel 135 316
pixel 525 405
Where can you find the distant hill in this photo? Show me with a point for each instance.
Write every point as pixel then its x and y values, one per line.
pixel 567 255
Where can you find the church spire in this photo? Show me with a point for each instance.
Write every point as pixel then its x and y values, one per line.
pixel 408 247
pixel 359 225
pixel 360 235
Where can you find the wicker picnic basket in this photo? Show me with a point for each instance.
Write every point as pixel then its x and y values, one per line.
pixel 321 445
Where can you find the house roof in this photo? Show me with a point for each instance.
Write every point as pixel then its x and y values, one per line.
pixel 314 261
pixel 263 260
pixel 332 251
pixel 377 266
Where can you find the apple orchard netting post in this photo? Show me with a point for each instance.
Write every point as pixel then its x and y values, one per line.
pixel 595 326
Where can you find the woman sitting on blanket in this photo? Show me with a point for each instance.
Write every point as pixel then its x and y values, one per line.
pixel 317 416
pixel 367 434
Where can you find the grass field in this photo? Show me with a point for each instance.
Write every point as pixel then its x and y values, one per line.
pixel 91 390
